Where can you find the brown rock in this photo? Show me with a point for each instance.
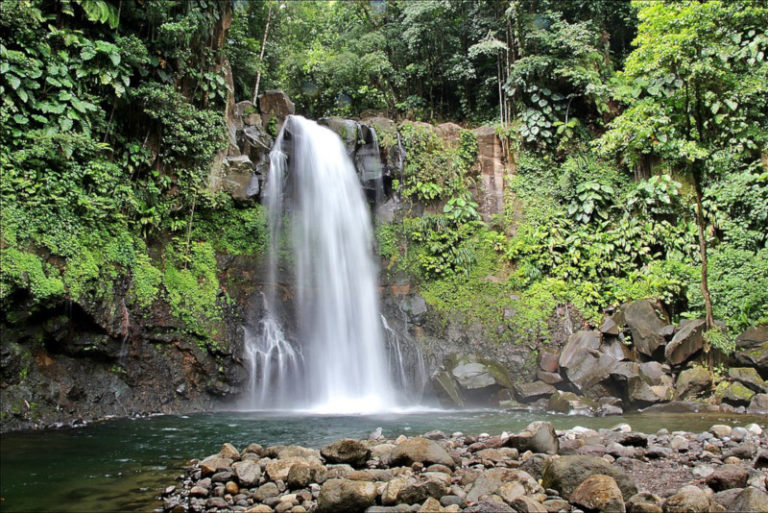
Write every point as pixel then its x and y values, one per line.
pixel 548 361
pixel 231 488
pixel 213 464
pixel 345 496
pixel 422 450
pixel 750 500
pixel 727 476
pixel 229 451
pixel 599 493
pixel 566 473
pixel 689 499
pixel 647 322
pixel 347 450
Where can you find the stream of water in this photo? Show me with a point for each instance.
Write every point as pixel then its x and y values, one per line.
pixel 123 464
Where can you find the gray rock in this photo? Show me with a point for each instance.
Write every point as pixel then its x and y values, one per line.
pixel 579 344
pixel 692 383
pixel 550 378
pixel 488 507
pixel 752 349
pixel 266 491
pixel 537 437
pixel 647 322
pixel 568 402
pixel 748 377
pixel 299 476
pixel 738 394
pixel 419 449
pixel 346 450
pixel 750 500
pixel 727 476
pixel 758 404
pixel 566 473
pixel 644 502
pixel 599 493
pixel 688 340
pixel 247 472
pixel 343 495
pixel 527 392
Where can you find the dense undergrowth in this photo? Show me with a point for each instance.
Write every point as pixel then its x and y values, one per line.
pixel 111 116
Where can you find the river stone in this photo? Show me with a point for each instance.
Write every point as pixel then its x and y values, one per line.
pixel 419 449
pixel 752 349
pixel 348 451
pixel 750 500
pixel 692 383
pixel 345 496
pixel 536 437
pixel 198 491
pixel 278 469
pixel 489 507
pixel 688 340
pixel 568 402
pixel 266 491
pixel 247 472
pixel 566 473
pixel 647 322
pixel 644 502
pixel 527 505
pixel 748 377
pixel 727 476
pixel 299 476
pixel 213 464
pixel 527 392
pixel 229 451
pixel 291 451
pixel 689 499
pixel 415 491
pixel 738 394
pixel 599 493
pixel 758 404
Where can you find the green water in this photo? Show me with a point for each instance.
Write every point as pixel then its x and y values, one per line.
pixel 122 464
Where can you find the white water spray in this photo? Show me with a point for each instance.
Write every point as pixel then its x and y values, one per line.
pixel 341 366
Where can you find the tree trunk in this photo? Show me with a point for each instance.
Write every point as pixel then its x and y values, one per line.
pixel 709 318
pixel 261 56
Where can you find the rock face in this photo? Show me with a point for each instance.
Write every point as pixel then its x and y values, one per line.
pixel 491 169
pixel 275 104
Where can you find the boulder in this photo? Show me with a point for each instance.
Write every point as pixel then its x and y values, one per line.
pixel 348 451
pixel 617 349
pixel 472 373
pixel 527 392
pixel 593 368
pixel 758 404
pixel 639 391
pixel 247 472
pixel 490 481
pixel 752 349
pixel 345 496
pixel 689 499
pixel 275 104
pixel 419 449
pixel 579 344
pixel 213 464
pixel 647 322
pixel 688 341
pixel 727 476
pixel 599 493
pixel 266 491
pixel 748 377
pixel 446 388
pixel 229 451
pixel 738 394
pixel 550 378
pixel 568 402
pixel 692 383
pixel 299 476
pixel 566 473
pixel 655 373
pixel 416 491
pixel 537 437
pixel 548 360
pixel 750 500
pixel 644 502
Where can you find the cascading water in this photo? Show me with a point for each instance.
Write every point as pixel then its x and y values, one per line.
pixel 340 365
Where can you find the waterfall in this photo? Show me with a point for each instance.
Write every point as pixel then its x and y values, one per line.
pixel 315 203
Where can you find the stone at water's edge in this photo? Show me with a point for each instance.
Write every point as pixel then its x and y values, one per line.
pixel 345 496
pixel 692 382
pixel 421 450
pixel 346 451
pixel 752 349
pixel 688 341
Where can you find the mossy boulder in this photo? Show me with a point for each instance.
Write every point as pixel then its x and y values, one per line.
pixel 738 394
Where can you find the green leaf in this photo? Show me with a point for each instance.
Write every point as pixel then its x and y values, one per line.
pixel 731 104
pixel 20 119
pixel 65 123
pixel 23 95
pixel 87 53
pixel 14 81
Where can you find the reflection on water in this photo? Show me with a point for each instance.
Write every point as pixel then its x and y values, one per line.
pixel 121 464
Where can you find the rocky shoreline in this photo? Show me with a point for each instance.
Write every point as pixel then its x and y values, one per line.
pixel 536 470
